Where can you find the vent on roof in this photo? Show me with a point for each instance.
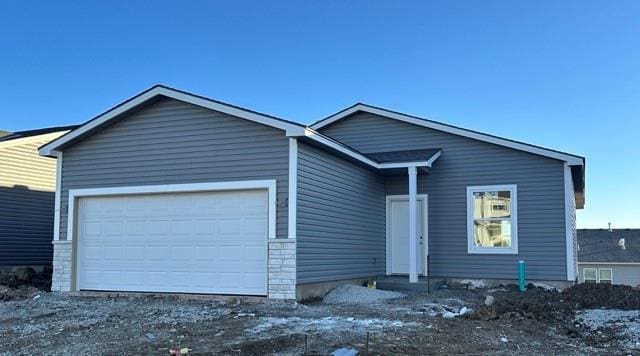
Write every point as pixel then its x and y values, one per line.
pixel 610 230
pixel 621 243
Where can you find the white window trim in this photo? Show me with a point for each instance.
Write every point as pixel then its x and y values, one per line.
pixel 471 248
pixel 270 185
pixel 605 269
pixel 584 273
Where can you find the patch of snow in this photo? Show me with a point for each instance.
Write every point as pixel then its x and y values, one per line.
pixel 504 339
pixel 344 351
pixel 626 322
pixel 473 283
pixel 352 294
pixel 297 324
pixel 545 286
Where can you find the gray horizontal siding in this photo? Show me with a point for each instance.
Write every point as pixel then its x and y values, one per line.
pixel 340 218
pixel 172 142
pixel 465 162
pixel 27 185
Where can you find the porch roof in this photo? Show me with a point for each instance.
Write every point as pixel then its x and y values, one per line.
pixel 406 156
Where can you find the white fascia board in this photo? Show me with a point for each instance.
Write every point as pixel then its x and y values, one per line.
pixel 570 159
pixel 364 159
pixel 290 128
pixel 270 185
pixel 31 139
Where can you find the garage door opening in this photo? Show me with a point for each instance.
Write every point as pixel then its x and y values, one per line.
pixel 196 242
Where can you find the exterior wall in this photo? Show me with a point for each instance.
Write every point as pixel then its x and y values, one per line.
pixel 573 230
pixel 465 162
pixel 622 274
pixel 340 218
pixel 172 142
pixel 27 189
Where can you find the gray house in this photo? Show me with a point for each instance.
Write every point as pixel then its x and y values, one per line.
pixel 27 189
pixel 173 192
pixel 609 256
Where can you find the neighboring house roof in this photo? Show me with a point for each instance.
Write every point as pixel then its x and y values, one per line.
pixel 604 245
pixel 37 132
pixel 37 135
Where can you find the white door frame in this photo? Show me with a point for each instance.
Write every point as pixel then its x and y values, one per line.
pixel 425 227
pixel 75 194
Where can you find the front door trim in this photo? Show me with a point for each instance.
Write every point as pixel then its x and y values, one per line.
pixel 425 228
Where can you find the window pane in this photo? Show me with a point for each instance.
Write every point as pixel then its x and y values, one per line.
pixel 589 274
pixel 492 204
pixel 605 274
pixel 492 233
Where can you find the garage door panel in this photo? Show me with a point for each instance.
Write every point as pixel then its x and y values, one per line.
pixel 212 242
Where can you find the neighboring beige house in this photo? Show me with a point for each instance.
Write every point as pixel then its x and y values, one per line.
pixel 609 256
pixel 27 197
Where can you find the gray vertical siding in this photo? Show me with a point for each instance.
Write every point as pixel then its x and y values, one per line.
pixel 27 189
pixel 464 162
pixel 622 274
pixel 171 142
pixel 340 218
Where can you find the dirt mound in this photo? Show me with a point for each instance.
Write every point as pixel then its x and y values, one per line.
pixel 535 303
pixel 24 283
pixel 589 296
pixel 555 307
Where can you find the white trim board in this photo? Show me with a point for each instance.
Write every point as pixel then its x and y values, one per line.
pixel 610 263
pixel 291 129
pixel 425 228
pixel 293 188
pixel 270 185
pixel 58 196
pixel 569 158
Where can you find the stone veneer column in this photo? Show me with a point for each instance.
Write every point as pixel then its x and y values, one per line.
pixel 282 269
pixel 62 265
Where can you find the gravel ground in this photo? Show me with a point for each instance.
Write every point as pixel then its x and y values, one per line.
pixel 352 294
pixel 626 323
pixel 55 324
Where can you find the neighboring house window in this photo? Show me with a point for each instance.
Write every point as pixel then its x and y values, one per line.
pixel 590 275
pixel 492 224
pixel 605 275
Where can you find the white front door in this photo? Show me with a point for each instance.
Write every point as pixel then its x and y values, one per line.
pixel 398 234
pixel 204 242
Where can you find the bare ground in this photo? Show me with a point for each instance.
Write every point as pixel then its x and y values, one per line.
pixel 536 322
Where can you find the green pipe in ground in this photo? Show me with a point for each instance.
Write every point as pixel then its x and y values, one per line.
pixel 521 275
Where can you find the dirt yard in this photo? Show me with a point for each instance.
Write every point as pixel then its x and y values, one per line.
pixel 447 321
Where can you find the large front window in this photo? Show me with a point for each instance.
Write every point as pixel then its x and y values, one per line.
pixel 492 219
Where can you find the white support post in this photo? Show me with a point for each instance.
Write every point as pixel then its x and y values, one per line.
pixel 413 224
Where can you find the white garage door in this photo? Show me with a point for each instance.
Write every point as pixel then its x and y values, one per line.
pixel 205 242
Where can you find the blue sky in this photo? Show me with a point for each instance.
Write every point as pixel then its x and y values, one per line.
pixel 562 74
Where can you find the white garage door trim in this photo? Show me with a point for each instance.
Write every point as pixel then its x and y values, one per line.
pixel 270 185
pixel 75 194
